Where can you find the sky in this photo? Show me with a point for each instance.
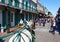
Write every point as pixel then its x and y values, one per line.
pixel 51 5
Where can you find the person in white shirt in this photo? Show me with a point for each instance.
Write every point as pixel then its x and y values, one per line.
pixel 21 21
pixel 54 27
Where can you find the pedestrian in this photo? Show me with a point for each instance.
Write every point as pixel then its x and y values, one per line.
pixel 54 27
pixel 52 19
pixel 48 20
pixel 25 21
pixel 21 24
pixel 36 20
pixel 43 22
pixel 58 25
pixel 40 22
pixel 33 24
pixel 21 21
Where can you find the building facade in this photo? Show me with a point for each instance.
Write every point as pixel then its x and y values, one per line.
pixel 42 10
pixel 46 11
pixel 11 11
pixel 35 1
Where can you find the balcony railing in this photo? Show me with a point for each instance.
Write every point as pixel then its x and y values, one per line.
pixel 16 4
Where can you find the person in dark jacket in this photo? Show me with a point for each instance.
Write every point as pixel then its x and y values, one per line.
pixel 43 22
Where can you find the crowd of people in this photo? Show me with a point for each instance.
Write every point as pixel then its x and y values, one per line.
pixel 55 24
pixel 42 22
pixel 30 23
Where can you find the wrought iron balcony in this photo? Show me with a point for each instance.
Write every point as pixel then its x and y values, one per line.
pixel 17 5
pixel 10 4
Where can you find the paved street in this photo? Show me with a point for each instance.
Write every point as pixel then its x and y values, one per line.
pixel 43 35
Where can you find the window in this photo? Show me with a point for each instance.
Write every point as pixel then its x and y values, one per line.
pixel 31 7
pixel 3 1
pixel 11 17
pixel 28 6
pixel 22 1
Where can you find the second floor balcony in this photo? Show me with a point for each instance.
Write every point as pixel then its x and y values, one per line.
pixel 10 3
pixel 19 5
